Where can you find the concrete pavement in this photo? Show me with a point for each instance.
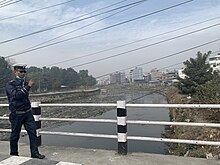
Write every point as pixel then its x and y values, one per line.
pixel 75 156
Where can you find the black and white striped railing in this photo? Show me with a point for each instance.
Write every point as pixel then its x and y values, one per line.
pixel 36 110
pixel 122 127
pixel 121 122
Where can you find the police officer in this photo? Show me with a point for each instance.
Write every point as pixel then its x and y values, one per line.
pixel 19 104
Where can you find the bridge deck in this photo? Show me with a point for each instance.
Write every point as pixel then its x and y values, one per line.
pixel 77 156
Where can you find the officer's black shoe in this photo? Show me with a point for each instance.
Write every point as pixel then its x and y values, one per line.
pixel 38 156
pixel 14 154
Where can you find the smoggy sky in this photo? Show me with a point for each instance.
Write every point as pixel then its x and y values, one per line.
pixel 146 27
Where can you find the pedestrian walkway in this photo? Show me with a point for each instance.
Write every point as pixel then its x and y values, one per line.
pixel 77 156
pixel 20 160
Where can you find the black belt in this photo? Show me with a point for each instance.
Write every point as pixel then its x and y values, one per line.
pixel 22 112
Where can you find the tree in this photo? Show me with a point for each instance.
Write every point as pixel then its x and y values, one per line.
pixel 197 72
pixel 51 79
pixel 85 79
pixel 70 78
pixel 5 73
pixel 209 92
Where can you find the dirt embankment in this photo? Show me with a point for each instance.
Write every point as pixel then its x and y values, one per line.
pixel 192 133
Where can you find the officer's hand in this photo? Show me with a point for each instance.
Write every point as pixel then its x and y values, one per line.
pixel 31 83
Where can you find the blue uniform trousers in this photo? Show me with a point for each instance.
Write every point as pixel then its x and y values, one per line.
pixel 17 120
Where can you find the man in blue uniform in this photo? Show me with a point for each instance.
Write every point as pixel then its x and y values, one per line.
pixel 19 104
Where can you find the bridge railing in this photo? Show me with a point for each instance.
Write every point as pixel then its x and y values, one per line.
pixel 121 122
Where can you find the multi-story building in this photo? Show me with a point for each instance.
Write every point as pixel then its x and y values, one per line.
pixel 181 74
pixel 170 77
pixel 117 78
pixel 136 74
pixel 123 78
pixel 103 81
pixel 215 63
pixel 156 75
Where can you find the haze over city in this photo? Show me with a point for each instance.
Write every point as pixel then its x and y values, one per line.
pixel 161 19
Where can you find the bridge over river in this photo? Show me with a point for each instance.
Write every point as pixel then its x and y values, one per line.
pixel 75 156
pixel 79 156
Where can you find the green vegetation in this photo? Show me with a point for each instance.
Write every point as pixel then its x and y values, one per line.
pixel 5 73
pixel 204 87
pixel 209 92
pixel 202 84
pixel 197 71
pixel 193 133
pixel 48 79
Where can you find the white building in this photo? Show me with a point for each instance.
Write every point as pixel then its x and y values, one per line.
pixel 215 63
pixel 156 75
pixel 117 78
pixel 136 74
pixel 181 74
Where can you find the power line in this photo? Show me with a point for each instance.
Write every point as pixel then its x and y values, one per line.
pixel 42 43
pixel 2 1
pixel 33 11
pixel 102 29
pixel 97 10
pixel 182 62
pixel 171 65
pixel 54 27
pixel 161 58
pixel 9 4
pixel 130 43
pixel 143 47
pixel 7 1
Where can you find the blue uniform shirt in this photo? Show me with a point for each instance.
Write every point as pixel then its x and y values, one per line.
pixel 17 91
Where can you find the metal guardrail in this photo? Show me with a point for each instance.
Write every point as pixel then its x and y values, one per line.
pixel 121 122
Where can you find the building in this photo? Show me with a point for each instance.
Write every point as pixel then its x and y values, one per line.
pixel 136 74
pixel 156 75
pixel 170 77
pixel 123 78
pixel 103 81
pixel 181 74
pixel 117 78
pixel 215 63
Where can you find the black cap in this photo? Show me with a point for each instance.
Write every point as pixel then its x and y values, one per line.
pixel 20 67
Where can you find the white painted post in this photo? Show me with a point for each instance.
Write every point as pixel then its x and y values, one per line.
pixel 122 127
pixel 36 110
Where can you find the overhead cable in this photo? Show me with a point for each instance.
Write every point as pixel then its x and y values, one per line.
pixel 149 45
pixel 7 1
pixel 8 4
pixel 164 57
pixel 82 16
pixel 182 62
pixel 67 33
pixel 2 1
pixel 34 11
pixel 102 29
pixel 133 42
pixel 54 27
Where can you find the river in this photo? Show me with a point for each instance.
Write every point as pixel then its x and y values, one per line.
pixel 150 114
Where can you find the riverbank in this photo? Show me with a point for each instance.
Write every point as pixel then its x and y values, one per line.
pixel 193 133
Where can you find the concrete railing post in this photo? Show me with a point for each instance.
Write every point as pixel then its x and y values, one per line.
pixel 36 110
pixel 122 127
